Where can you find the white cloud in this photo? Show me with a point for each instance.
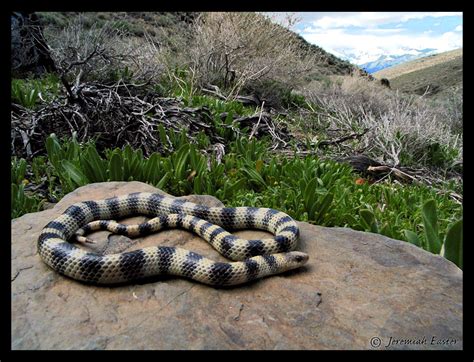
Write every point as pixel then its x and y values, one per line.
pixel 367 19
pixel 384 31
pixel 371 45
pixel 451 40
pixel 334 32
pixel 311 29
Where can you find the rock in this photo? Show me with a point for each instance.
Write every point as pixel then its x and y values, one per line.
pixel 358 291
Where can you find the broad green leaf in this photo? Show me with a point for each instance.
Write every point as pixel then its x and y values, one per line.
pixel 324 206
pixel 430 222
pixel 151 168
pixel 74 173
pixel 254 176
pixel 116 167
pixel 386 230
pixel 453 249
pixel 197 185
pixel 162 134
pixel 96 166
pixel 181 159
pixel 368 218
pixel 161 184
pixel 53 148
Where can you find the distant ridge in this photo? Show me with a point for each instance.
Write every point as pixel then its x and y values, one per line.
pixel 436 75
pixel 417 64
pixel 387 61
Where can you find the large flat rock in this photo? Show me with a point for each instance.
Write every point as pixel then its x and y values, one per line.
pixel 358 291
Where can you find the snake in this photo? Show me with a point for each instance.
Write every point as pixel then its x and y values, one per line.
pixel 251 259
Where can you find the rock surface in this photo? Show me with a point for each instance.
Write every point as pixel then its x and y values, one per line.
pixel 358 291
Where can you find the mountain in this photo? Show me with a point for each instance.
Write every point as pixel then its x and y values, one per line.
pixel 372 64
pixel 434 75
pixel 386 61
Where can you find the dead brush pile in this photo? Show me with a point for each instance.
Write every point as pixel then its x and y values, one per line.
pixel 118 115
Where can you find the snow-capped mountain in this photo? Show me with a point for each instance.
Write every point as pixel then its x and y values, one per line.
pixel 372 63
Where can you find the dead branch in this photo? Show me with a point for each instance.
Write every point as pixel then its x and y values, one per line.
pixel 397 173
pixel 117 115
pixel 352 136
pixel 254 128
pixel 248 100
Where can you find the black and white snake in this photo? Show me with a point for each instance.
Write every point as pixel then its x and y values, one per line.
pixel 254 258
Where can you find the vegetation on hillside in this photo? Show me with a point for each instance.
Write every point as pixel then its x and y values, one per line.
pixel 233 106
pixel 438 77
pixel 418 64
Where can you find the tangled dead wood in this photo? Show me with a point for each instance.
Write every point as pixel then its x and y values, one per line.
pixel 119 115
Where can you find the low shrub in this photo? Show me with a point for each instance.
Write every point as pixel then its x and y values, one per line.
pixel 234 50
pixel 403 129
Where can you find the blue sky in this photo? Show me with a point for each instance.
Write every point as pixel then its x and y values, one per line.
pixel 367 35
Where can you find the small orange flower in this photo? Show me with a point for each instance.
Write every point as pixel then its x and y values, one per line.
pixel 360 181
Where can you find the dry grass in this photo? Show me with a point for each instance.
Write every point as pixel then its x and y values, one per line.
pixel 404 130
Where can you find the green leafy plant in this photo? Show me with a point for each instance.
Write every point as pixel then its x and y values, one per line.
pixel 23 95
pixel 433 240
pixel 453 244
pixel 368 221
pixel 430 221
pixel 65 159
pixel 21 202
pixel 18 170
pixel 29 92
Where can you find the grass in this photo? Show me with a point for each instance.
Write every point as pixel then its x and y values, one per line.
pixel 434 80
pixel 418 64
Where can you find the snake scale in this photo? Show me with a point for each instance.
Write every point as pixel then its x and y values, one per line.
pixel 253 259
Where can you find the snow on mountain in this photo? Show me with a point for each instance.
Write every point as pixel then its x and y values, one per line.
pixel 372 62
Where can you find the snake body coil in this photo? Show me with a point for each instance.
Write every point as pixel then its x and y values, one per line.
pixel 258 258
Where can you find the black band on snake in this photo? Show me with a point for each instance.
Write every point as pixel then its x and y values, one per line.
pixel 253 258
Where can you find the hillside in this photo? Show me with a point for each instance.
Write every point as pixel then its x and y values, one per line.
pixel 438 73
pixel 418 64
pixel 165 27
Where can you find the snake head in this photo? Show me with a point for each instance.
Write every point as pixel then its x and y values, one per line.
pixel 295 259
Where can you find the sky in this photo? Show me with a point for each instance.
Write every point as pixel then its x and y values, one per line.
pixel 367 35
